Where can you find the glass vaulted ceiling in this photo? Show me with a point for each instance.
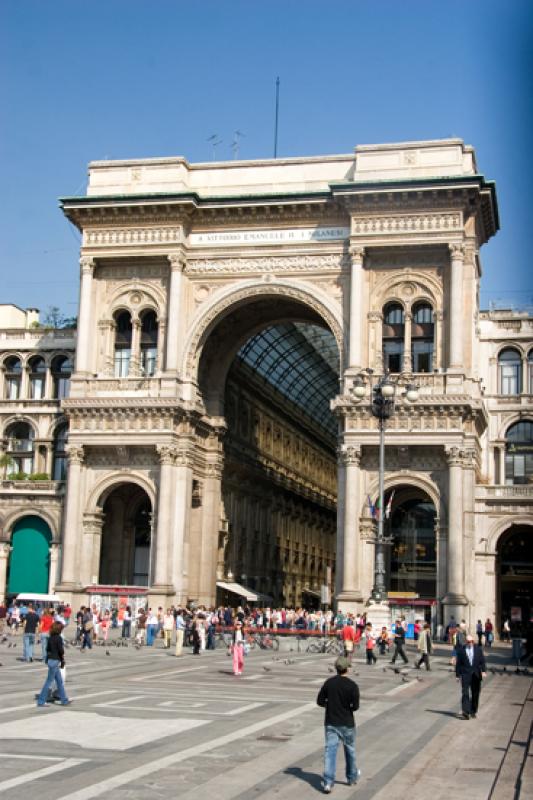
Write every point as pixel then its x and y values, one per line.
pixel 302 362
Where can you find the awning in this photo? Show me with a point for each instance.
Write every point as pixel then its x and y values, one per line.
pixel 236 588
pixel 311 592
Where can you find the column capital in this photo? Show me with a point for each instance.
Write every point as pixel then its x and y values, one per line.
pixel 93 522
pixel 454 456
pixel 167 453
pixel 349 455
pixel 357 253
pixel 87 265
pixel 75 453
pixel 177 261
pixel 457 251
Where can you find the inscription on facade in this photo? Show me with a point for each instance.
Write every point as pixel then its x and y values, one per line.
pixel 258 237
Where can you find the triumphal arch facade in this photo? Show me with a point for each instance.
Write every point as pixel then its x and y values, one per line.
pixel 199 456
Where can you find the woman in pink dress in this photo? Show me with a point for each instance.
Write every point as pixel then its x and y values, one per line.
pixel 238 648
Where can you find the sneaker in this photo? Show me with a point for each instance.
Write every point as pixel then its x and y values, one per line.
pixel 353 781
pixel 67 703
pixel 327 788
pixel 43 705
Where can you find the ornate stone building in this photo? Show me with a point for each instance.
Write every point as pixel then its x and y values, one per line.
pixel 215 440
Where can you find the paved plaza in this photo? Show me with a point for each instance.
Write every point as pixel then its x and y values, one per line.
pixel 145 725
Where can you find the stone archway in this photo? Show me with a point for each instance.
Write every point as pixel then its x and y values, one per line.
pixel 126 537
pixel 278 516
pixel 514 571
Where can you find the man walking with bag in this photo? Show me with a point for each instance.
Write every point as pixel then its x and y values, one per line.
pixel 340 697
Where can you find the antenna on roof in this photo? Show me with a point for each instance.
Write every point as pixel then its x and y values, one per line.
pixel 276 123
pixel 215 141
pixel 237 135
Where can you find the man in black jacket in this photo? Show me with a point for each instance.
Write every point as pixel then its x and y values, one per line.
pixel 340 697
pixel 470 669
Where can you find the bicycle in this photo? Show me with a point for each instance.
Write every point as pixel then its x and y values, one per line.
pixel 330 646
pixel 266 641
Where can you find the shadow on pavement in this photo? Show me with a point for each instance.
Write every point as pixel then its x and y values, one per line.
pixel 311 778
pixel 444 713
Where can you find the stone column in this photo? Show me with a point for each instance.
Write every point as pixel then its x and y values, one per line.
pixel 211 495
pixel 456 331
pixel 375 323
pixel 455 598
pixel 177 263
pixel 441 548
pixel 70 567
pixel 438 317
pixel 91 546
pixel 501 473
pixel 135 359
pixel 53 574
pixel 5 551
pixel 84 343
pixel 350 587
pixel 356 308
pixel 49 457
pixel 163 538
pixel 180 512
pixel 48 382
pixel 407 365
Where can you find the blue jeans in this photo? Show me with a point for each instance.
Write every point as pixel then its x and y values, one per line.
pixel 151 633
pixel 27 644
pixel 44 645
pixel 334 735
pixel 53 675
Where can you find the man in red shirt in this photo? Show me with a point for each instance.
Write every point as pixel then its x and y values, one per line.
pixel 47 619
pixel 349 637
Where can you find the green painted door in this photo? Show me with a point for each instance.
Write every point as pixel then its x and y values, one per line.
pixel 29 564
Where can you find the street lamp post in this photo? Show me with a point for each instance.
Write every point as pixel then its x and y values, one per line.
pixel 383 394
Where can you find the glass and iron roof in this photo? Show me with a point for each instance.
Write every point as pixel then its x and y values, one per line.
pixel 301 361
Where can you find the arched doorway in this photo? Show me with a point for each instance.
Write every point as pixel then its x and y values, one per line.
pixel 413 551
pixel 126 537
pixel 29 564
pixel 515 576
pixel 271 368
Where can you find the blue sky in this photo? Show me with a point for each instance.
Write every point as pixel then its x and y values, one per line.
pixel 142 78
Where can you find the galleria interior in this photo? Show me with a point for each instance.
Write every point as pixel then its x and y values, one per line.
pixel 199 438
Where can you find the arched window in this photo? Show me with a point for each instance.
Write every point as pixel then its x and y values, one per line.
pixel 37 372
pixel 61 372
pixel 530 370
pixel 393 337
pixel 510 367
pixel 149 330
pixel 122 344
pixel 59 468
pixel 519 453
pixel 20 436
pixel 13 367
pixel 422 333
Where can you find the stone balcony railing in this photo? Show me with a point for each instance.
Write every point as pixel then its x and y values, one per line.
pixel 501 493
pixel 26 486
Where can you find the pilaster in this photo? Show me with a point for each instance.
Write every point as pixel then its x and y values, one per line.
pixel 70 580
pixel 457 257
pixel 83 339
pixel 177 263
pixel 349 568
pixel 356 307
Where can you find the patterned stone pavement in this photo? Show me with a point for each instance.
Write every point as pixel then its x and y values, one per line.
pixel 146 725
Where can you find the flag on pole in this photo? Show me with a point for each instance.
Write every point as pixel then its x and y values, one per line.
pixel 377 509
pixel 372 508
pixel 388 509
